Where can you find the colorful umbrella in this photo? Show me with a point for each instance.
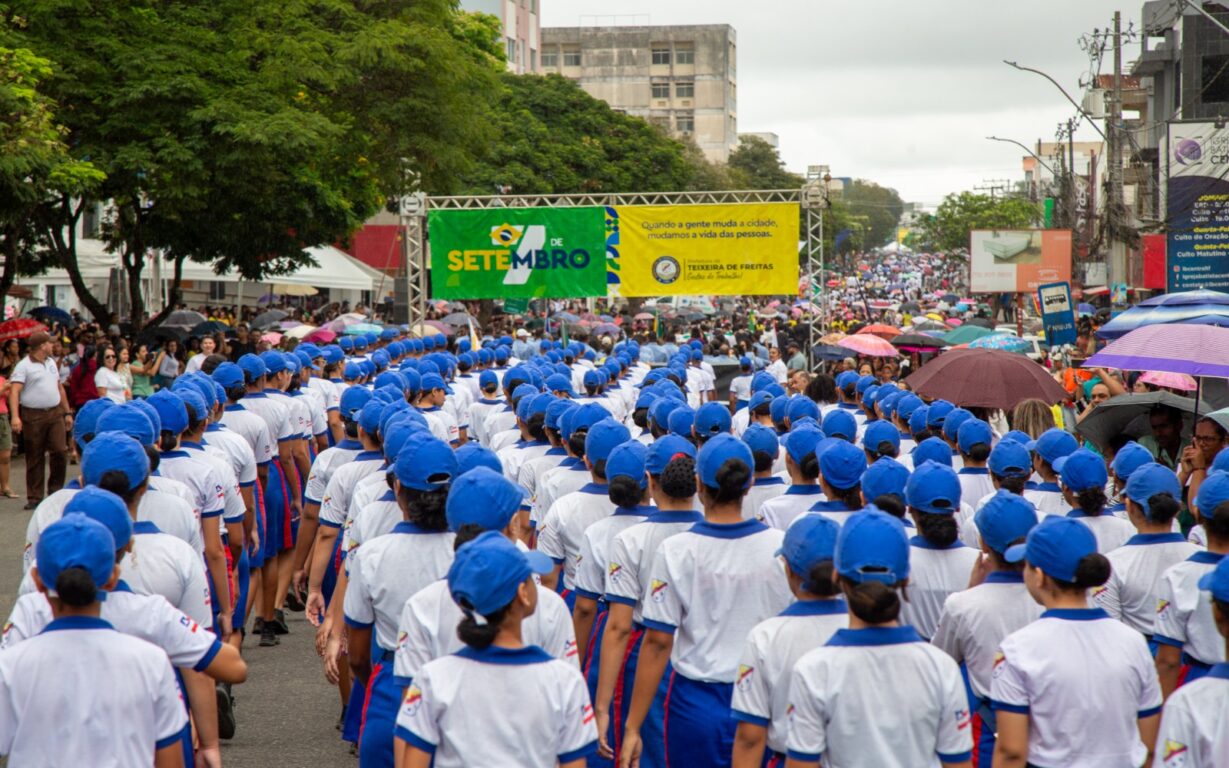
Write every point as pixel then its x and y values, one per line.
pixel 1170 380
pixel 1196 350
pixel 829 352
pixel 965 334
pixel 645 316
pixel 338 324
pixel 869 345
pixel 272 337
pixel 1201 307
pixel 985 378
pixel 831 338
pixel 20 328
pixel 1004 341
pixel 301 331
pixel 322 335
pixel 362 328
pixel 881 330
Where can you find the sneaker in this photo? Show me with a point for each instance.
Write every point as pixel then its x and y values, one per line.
pixel 268 637
pixel 33 504
pixel 258 626
pixel 341 721
pixel 226 712
pixel 279 623
pixel 295 601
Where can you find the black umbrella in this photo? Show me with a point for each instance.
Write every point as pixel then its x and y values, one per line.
pixel 950 298
pixel 830 352
pixel 161 334
pixel 1128 415
pixel 980 321
pixel 266 320
pixel 208 328
pixel 917 340
pixel 910 306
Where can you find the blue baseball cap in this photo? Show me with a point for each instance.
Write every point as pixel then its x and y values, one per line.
pixel 252 366
pixel 346 343
pixel 472 455
pixel 801 407
pixel 1054 444
pixel 872 546
pixel 106 508
pixel 870 396
pixel 555 411
pixel 275 362
pixel 906 406
pixel 763 397
pixel 744 362
pixel 1016 436
pixel 712 419
pixel 484 497
pixel 917 419
pixel 433 381
pixel 840 423
pixel 1081 469
pixel 665 448
pixel 488 571
pixel 198 409
pixel 973 432
pixel 172 412
pixel 762 380
pixel 1221 462
pixel 762 439
pixel 842 464
pixel 682 421
pixel 591 379
pixel 777 409
pixel 129 420
pixel 114 451
pixel 1131 457
pixel 425 463
pixel 1216 581
pixel 808 542
pixel 488 379
pixel 1056 545
pixel 557 382
pixel 228 375
pixel 716 452
pixel 954 421
pixel 75 541
pixel 1005 519
pixel 934 489
pixel 879 432
pixel 1213 492
pixel 864 383
pixel 87 419
pixel 352 371
pixel 604 437
pixel 932 449
pixel 369 416
pixel 390 379
pixel 583 417
pixel 1148 481
pixel 937 412
pixel 800 442
pixel 353 400
pixel 396 432
pixel 888 402
pixel 627 460
pixel 1010 459
pixel 884 477
pixel 845 378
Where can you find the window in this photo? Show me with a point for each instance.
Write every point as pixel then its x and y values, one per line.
pixel 533 57
pixel 685 90
pixel 661 56
pixel 685 55
pixel 661 90
pixel 217 290
pixel 685 122
pixel 571 58
pixel 1215 79
pixel 660 121
pixel 91 220
pixel 510 43
pixel 550 59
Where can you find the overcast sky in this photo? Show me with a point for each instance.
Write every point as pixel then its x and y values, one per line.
pixel 901 92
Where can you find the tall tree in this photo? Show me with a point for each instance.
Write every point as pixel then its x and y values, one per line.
pixel 948 229
pixel 881 208
pixel 756 164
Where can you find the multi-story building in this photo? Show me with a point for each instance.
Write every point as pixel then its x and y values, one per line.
pixel 521 29
pixel 680 78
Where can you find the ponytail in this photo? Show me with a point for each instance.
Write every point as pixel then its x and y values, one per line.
pixel 624 491
pixel 818 580
pixel 425 508
pixel 733 481
pixel 678 479
pixel 479 634
pixel 809 467
pixel 851 497
pixel 1092 501
pixel 1162 508
pixel 872 601
pixel 1093 571
pixel 939 530
pixel 1011 483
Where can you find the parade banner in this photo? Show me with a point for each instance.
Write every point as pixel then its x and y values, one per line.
pixel 1197 206
pixel 1018 260
pixel 496 253
pixel 703 250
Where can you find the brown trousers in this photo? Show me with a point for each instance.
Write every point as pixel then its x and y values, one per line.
pixel 43 432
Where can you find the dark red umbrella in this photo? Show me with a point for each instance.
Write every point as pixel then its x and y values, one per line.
pixel 20 328
pixel 985 378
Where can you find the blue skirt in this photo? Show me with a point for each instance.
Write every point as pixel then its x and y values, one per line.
pixel 379 717
pixel 698 725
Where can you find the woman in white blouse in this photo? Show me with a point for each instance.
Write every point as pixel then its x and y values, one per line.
pixel 109 382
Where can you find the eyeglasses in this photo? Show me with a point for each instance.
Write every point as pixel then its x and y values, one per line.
pixel 1209 439
pixel 108 357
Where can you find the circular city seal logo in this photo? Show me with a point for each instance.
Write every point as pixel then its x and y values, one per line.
pixel 666 270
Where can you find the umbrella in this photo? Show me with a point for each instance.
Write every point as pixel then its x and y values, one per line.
pixel 292 289
pixel 1170 380
pixel 362 328
pixel 881 330
pixel 269 319
pixel 161 333
pixel 954 322
pixel 605 318
pixel 1201 307
pixel 832 338
pixel 52 315
pixel 339 324
pixel 918 340
pixel 301 331
pixel 322 335
pixel 566 317
pixel 184 318
pixel 456 318
pixel 1128 415
pixel 1004 341
pixel 967 333
pixel 1086 309
pixel 950 298
pixel 910 306
pixel 645 316
pixel 208 328
pixel 604 328
pixel 923 326
pixel 20 328
pixel 829 352
pixel 272 337
pixel 985 378
pixel 1196 350
pixel 868 344
pixel 983 322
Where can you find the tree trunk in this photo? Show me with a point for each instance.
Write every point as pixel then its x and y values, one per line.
pixel 134 265
pixel 172 298
pixel 64 219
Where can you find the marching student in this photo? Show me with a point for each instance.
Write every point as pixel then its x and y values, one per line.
pixel 876 694
pixel 709 586
pixel 1048 448
pixel 569 476
pixel 1188 643
pixel 1009 465
pixel 551 720
pixel 1084 476
pixel 1074 670
pixel 883 485
pixel 802 464
pixel 973 440
pixel 940 564
pixel 124 705
pixel 761 692
pixel 1153 497
pixel 1193 728
pixel 740 386
pixel 483 406
pixel 975 621
pixel 880 440
pixel 1129 458
pixel 765 447
pixel 841 465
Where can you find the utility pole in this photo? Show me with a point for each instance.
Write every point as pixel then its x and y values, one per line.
pixel 1115 210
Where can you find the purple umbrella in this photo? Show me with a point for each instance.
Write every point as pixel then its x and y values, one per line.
pixel 1200 307
pixel 1196 350
pixel 607 328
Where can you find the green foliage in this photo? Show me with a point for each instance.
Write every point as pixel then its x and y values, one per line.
pixel 948 229
pixel 876 209
pixel 756 164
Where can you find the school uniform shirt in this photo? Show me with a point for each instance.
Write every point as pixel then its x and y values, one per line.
pixel 233 506
pixel 879 696
pixel 740 387
pixel 513 457
pixel 595 548
pixel 1111 532
pixel 779 511
pixel 710 586
pixel 504 439
pixel 387 571
pixel 329 392
pixel 157 482
pixel 498 420
pixel 479 410
pixel 761 690
pixel 934 574
pixel 116 704
pixel 442 423
pixel 201 476
pixel 1184 611
pixel 570 476
pixel 335 505
pixel 371 488
pixel 275 414
pixel 235 449
pixel 632 553
pixel 740 421
pixel 1136 569
pixel 762 490
pixel 1084 680
pixel 974 482
pixel 457 709
pixel 300 417
pixel 833 509
pixel 427 629
pixel 469 384
pixel 975 622
pixel 161 564
pixel 326 463
pixel 533 469
pixel 1195 725
pixel 373 519
pixel 1047 498
pixel 253 428
pixel 311 405
pixel 563 529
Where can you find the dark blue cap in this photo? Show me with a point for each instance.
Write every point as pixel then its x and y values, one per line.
pixel 933 488
pixel 627 460
pixel 842 465
pixel 488 571
pixel 712 419
pixel 840 423
pixel 1081 469
pixel 1150 480
pixel 872 546
pixel 483 497
pixel 110 451
pixel 1131 457
pixel 932 449
pixel 716 452
pixel 762 439
pixel 591 379
pixel 106 508
pixel 172 411
pixel 472 455
pixel 744 362
pixel 884 477
pixel 1054 444
pixel 604 437
pixel 1056 545
pixel 488 379
pixel 1005 519
pixel 973 432
pixel 425 463
pixel 75 541
pixel 809 541
pixel 665 448
pixel 879 432
pixel 1010 459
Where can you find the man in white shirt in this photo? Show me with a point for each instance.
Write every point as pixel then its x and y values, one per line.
pixel 38 407
pixel 776 366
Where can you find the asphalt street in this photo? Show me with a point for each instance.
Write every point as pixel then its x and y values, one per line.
pixel 286 710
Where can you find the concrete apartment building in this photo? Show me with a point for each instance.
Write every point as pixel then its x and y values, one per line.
pixel 521 30
pixel 681 78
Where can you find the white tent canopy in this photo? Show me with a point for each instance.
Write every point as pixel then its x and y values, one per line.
pixel 334 269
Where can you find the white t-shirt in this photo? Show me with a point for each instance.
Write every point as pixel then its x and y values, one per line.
pixel 780 511
pixel 1136 569
pixel 116 387
pixel 596 545
pixel 934 574
pixel 562 531
pixel 632 552
pixel 40 383
pixel 160 564
pixel 1184 611
pixel 762 490
pixel 1195 724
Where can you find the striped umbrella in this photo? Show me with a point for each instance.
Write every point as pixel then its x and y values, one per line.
pixel 1196 350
